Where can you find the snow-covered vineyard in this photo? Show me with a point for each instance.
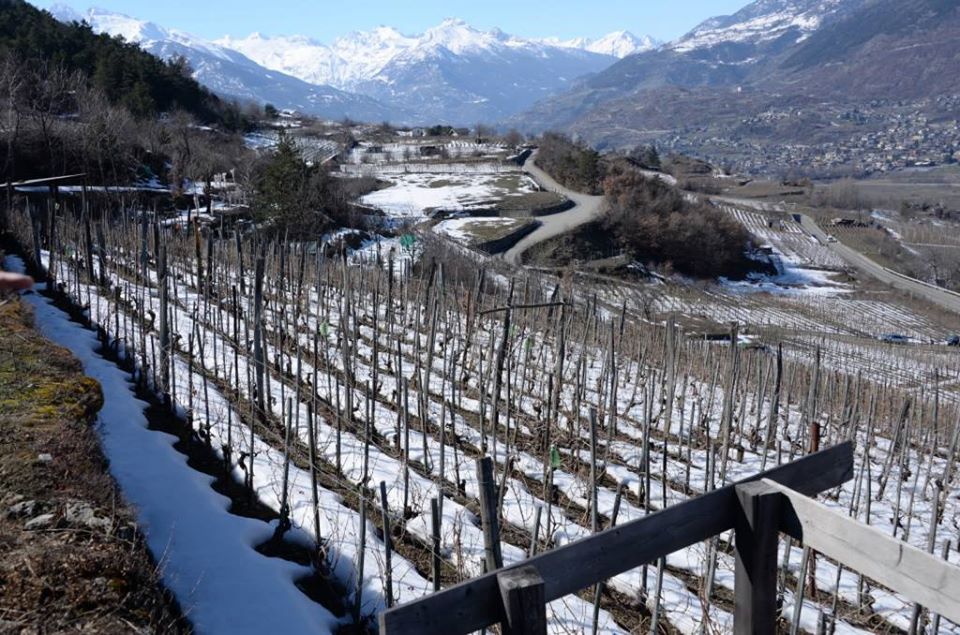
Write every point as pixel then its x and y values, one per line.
pixel 355 400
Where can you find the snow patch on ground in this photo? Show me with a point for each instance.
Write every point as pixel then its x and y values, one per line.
pixel 206 555
pixel 416 195
pixel 793 280
pixel 464 229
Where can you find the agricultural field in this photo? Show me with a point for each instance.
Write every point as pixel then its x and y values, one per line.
pixel 917 186
pixel 475 232
pixel 421 195
pixel 353 400
pixel 441 150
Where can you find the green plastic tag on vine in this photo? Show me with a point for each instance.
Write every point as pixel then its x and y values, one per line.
pixel 554 457
pixel 407 241
pixel 324 330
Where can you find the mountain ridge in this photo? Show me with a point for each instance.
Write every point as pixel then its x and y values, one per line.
pixel 228 72
pixel 840 52
pixel 338 63
pixel 450 73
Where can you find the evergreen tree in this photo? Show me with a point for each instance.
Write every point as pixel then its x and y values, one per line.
pixel 281 187
pixel 139 100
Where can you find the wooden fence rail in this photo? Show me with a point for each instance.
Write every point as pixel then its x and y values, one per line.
pixel 914 573
pixel 478 603
pixel 758 509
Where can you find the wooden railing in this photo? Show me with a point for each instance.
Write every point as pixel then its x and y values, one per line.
pixel 758 509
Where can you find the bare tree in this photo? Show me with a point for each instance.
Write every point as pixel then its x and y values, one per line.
pixel 12 79
pixel 180 149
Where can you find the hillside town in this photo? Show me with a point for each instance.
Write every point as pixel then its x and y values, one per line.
pixel 869 139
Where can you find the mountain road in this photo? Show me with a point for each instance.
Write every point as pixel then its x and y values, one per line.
pixel 586 208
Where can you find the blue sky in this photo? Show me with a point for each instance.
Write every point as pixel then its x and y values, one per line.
pixel 325 20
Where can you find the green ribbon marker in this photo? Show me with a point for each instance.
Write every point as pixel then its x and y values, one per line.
pixel 407 241
pixel 324 330
pixel 554 457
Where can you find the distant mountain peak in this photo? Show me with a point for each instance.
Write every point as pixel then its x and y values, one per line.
pixel 618 44
pixel 64 13
pixel 622 43
pixel 228 72
pixel 457 36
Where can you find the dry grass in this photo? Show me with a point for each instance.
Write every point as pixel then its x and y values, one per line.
pixel 64 577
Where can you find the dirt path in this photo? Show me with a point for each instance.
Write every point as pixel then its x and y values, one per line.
pixel 586 208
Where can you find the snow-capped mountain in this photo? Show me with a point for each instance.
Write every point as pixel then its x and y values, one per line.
pixel 450 72
pixel 722 51
pixel 730 72
pixel 343 64
pixel 618 44
pixel 361 56
pixel 764 21
pixel 623 43
pixel 228 72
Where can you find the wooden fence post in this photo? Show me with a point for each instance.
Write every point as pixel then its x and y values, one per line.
pixel 435 549
pixel 162 274
pixel 756 539
pixel 524 602
pixel 387 544
pixel 488 513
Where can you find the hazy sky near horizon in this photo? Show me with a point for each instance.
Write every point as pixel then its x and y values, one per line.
pixel 325 20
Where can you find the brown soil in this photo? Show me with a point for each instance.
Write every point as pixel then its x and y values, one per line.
pixel 71 558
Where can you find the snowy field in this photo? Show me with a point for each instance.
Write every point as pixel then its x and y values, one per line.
pixel 421 149
pixel 473 230
pixel 413 196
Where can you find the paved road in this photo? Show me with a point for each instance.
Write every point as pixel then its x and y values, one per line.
pixel 937 295
pixel 586 208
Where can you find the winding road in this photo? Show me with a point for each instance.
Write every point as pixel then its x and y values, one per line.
pixel 586 208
